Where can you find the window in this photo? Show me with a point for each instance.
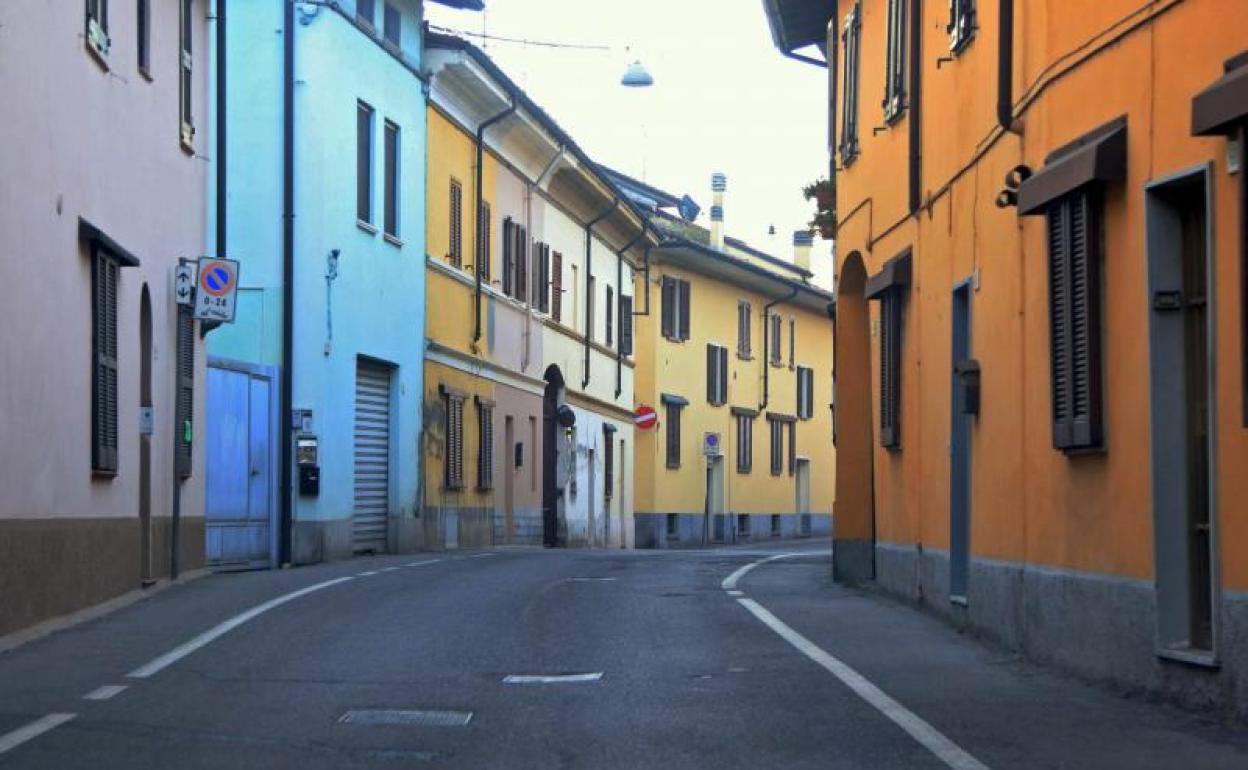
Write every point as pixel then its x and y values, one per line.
pixel 805 392
pixel 185 82
pixel 556 288
pixel 1074 234
pixel 515 242
pixel 365 12
pixel 776 428
pixel 541 277
pixel 743 329
pixel 675 318
pixel 743 525
pixel 363 162
pixel 144 36
pixel 610 316
pixel 626 325
pixel 895 71
pixel 105 272
pixel 589 308
pixel 672 426
pixel 890 369
pixel 777 341
pixel 509 255
pixel 97 26
pixel 453 458
pixel 716 375
pixel 608 461
pixel 672 525
pixel 390 210
pixel 485 235
pixel 745 439
pixel 961 23
pixel 485 449
pixel 851 44
pixel 792 341
pixel 185 398
pixel 455 249
pixel 393 26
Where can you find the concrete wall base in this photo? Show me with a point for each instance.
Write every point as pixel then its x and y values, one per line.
pixel 852 561
pixel 694 530
pixel 318 541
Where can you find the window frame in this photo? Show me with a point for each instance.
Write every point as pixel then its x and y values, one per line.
pixel 186 69
pixel 391 204
pixel 805 392
pixel 745 441
pixel 365 116
pixel 105 369
pixel 455 224
pixel 897 54
pixel 671 429
pixel 676 299
pixel 390 12
pixel 851 55
pixel 143 36
pixel 962 25
pixel 485 444
pixel 716 374
pixel 453 426
pixel 744 347
pixel 95 29
pixel 775 328
pixel 368 17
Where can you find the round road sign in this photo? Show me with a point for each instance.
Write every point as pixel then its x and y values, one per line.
pixel 216 278
pixel 646 417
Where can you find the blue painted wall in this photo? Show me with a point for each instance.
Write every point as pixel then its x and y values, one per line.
pixel 378 296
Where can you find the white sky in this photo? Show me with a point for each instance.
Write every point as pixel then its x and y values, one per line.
pixel 724 99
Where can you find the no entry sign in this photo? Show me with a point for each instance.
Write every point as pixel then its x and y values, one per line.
pixel 214 296
pixel 645 418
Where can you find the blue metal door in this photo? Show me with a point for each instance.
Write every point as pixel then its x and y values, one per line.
pixel 239 474
pixel 959 451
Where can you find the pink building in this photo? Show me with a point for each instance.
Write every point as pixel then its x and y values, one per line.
pixel 103 186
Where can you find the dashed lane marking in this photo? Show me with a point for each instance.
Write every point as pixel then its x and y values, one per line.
pixel 12 740
pixel 551 678
pixel 421 563
pixel 366 574
pixel 105 692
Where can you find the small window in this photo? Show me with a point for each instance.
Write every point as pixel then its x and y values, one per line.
pixel 390 213
pixel 776 429
pixel 675 320
pixel 509 255
pixel 610 317
pixel 626 325
pixel 961 26
pixel 745 443
pixel 556 286
pixel 589 307
pixel 673 525
pixel 105 274
pixel 455 249
pixel 805 392
pixel 143 16
pixel 851 44
pixel 393 26
pixel 186 83
pixel 485 449
pixel 792 342
pixel 453 458
pixel 97 27
pixel 608 463
pixel 365 12
pixel 673 435
pixel 743 525
pixel 520 282
pixel 891 306
pixel 743 329
pixel 363 162
pixel 895 70
pixel 716 375
pixel 775 525
pixel 776 329
pixel 486 236
pixel 539 291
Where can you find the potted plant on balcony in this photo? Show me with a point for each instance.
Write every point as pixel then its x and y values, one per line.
pixel 820 191
pixel 825 223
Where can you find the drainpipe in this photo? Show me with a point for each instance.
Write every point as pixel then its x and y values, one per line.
pixel 767 341
pixel 619 322
pixel 1005 66
pixel 221 129
pixel 833 48
pixel 589 277
pixel 288 275
pixel 476 267
pixel 916 104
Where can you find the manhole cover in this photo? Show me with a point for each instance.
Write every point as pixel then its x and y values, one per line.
pixel 406 717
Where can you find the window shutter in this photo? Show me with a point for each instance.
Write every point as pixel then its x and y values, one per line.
pixel 792 341
pixel 792 448
pixel 363 162
pixel 545 279
pixel 457 224
pixel 684 310
pixel 485 451
pixel 668 320
pixel 890 369
pixel 673 436
pixel 723 375
pixel 557 286
pixel 534 297
pixel 185 80
pixel 483 263
pixel 608 463
pixel 105 274
pixel 454 442
pixel 626 325
pixel 610 316
pixel 712 375
pixel 522 262
pixel 777 353
pixel 509 247
pixel 184 407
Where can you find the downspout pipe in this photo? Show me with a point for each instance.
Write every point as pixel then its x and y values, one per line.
pixel 619 317
pixel 478 241
pixel 916 105
pixel 834 40
pixel 1005 66
pixel 221 129
pixel 589 277
pixel 288 277
pixel 767 341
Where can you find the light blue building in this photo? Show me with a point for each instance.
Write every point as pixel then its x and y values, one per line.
pixel 324 150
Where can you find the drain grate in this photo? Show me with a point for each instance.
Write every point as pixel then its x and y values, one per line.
pixel 409 717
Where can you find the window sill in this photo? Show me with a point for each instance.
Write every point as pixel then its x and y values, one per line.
pixel 744 358
pixel 187 147
pixel 672 467
pixel 146 74
pixel 367 227
pixel 393 240
pixel 1190 656
pixel 100 57
pixel 958 600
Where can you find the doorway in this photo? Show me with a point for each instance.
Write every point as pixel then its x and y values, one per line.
pixel 801 477
pixel 1181 362
pixel 715 499
pixel 511 462
pixel 853 521
pixel 146 418
pixel 959 449
pixel 550 456
pixel 370 512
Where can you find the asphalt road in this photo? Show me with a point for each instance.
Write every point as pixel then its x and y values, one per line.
pixel 793 672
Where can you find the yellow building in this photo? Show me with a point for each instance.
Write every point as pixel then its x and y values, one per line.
pixel 528 398
pixel 1041 335
pixel 734 351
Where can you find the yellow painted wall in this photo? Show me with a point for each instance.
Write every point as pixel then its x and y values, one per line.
pixel 434 449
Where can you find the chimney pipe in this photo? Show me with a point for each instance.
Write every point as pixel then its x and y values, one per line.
pixel 803 241
pixel 719 183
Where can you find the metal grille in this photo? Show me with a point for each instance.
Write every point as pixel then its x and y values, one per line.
pixel 485 451
pixel 106 272
pixel 372 456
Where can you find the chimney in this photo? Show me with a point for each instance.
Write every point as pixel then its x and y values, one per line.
pixel 803 241
pixel 719 183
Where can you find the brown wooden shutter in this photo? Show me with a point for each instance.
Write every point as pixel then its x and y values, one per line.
pixel 673 436
pixel 454 470
pixel 626 325
pixel 509 254
pixel 457 224
pixel 890 368
pixel 556 272
pixel 610 316
pixel 544 279
pixel 684 310
pixel 485 450
pixel 105 274
pixel 668 320
pixel 743 329
pixel 483 262
pixel 184 408
pixel 712 375
pixel 522 263
pixel 776 430
pixel 792 448
pixel 723 375
pixel 608 461
pixel 534 297
pixel 792 342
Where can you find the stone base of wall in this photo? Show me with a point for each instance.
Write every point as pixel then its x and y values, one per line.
pixel 694 530
pixel 526 528
pixel 317 541
pixel 52 567
pixel 1097 627
pixel 449 528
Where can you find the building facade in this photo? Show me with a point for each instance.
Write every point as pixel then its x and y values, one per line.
pixel 1041 324
pixel 101 490
pixel 528 395
pixel 322 372
pixel 734 352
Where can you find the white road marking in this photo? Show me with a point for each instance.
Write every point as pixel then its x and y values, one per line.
pixel 389 569
pixel 105 692
pixel 12 740
pixel 551 679
pixel 366 574
pixel 932 739
pixel 181 651
pixel 590 580
pixel 421 563
pixel 480 555
pixel 735 592
pixel 730 582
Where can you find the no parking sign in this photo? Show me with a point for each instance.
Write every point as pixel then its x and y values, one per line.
pixel 214 295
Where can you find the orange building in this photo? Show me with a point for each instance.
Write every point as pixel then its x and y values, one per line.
pixel 1042 387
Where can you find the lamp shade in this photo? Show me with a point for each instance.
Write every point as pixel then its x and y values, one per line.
pixel 636 76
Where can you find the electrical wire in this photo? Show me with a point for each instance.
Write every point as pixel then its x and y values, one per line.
pixel 520 40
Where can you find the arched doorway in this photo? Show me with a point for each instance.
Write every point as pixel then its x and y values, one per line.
pixel 145 438
pixel 552 399
pixel 853 528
